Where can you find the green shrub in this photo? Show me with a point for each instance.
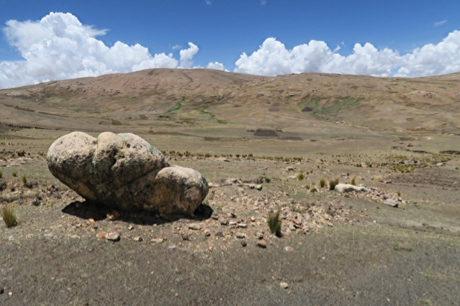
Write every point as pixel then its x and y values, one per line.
pixel 300 176
pixel 9 217
pixel 274 223
pixel 24 180
pixel 15 173
pixel 333 183
pixel 322 183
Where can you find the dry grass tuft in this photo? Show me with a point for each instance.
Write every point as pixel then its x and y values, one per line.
pixel 274 223
pixel 9 217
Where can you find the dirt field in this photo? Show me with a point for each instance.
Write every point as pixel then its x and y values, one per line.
pixel 336 248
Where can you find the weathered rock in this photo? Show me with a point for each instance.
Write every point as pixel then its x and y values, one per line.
pixel 101 235
pixel 391 202
pixel 349 187
pixel 262 243
pixel 194 226
pixel 112 236
pixel 124 171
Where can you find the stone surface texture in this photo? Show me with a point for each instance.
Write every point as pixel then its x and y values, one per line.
pixel 124 171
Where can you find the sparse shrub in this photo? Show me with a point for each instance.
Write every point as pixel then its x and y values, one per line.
pixel 307 187
pixel 353 181
pixel 15 173
pixel 333 183
pixel 322 183
pixel 267 180
pixel 9 217
pixel 143 117
pixel 24 180
pixel 314 189
pixel 300 176
pixel 399 193
pixel 274 223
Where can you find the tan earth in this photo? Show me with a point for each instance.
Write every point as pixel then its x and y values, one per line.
pixel 265 144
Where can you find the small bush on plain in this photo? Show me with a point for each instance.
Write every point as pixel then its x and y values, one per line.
pixel 322 183
pixel 274 223
pixel 333 183
pixel 9 217
pixel 353 181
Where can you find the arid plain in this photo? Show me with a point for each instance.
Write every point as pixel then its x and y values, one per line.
pixel 264 144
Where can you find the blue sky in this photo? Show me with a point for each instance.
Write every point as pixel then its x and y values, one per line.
pixel 268 37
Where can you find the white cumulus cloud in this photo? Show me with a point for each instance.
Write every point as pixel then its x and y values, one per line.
pixel 186 55
pixel 216 66
pixel 59 46
pixel 273 58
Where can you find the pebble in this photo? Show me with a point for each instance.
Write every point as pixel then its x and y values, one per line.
pixel 390 202
pixel 194 226
pixel 224 222
pixel 242 225
pixel 2 290
pixel 288 249
pixel 243 243
pixel 157 240
pixel 231 223
pixel 138 239
pixel 112 236
pixel 207 232
pixel 101 235
pixel 220 234
pixel 240 236
pixel 259 235
pixel 130 227
pixel 262 244
pixel 284 285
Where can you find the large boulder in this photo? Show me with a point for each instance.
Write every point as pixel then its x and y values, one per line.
pixel 124 171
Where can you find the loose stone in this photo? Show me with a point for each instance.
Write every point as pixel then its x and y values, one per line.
pixel 101 235
pixel 284 285
pixel 262 244
pixel 112 236
pixel 194 226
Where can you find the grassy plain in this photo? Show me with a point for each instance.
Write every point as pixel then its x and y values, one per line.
pixel 398 137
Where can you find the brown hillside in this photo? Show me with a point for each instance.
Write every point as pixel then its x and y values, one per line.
pixel 202 96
